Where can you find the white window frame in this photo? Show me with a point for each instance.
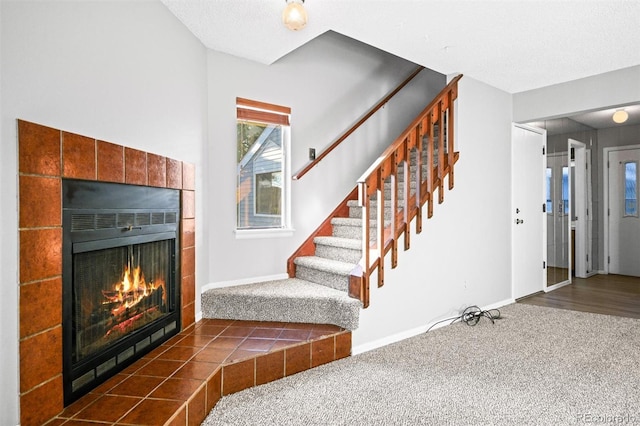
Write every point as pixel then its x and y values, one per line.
pixel 286 230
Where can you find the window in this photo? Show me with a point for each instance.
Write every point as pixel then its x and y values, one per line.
pixel 262 167
pixel 631 189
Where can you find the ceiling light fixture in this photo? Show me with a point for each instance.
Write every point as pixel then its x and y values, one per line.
pixel 294 16
pixel 620 116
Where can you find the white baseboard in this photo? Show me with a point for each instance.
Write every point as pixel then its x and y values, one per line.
pixel 365 347
pixel 243 281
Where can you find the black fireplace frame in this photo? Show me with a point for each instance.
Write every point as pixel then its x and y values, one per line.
pixel 100 215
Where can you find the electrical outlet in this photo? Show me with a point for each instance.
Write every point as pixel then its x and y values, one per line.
pixel 312 154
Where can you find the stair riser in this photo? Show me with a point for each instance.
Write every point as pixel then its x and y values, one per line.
pixel 344 231
pixel 338 282
pixel 338 253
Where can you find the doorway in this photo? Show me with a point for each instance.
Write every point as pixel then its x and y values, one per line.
pixel 622 231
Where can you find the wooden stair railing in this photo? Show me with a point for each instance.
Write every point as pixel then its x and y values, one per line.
pixel 435 128
pixel 353 128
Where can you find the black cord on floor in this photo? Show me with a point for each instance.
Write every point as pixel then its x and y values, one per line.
pixel 471 316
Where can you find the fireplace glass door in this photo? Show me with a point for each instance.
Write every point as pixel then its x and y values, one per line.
pixel 117 291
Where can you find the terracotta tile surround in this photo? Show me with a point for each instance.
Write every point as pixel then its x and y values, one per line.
pixel 45 156
pixel 179 382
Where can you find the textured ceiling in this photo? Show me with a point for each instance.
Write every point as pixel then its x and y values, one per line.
pixel 514 45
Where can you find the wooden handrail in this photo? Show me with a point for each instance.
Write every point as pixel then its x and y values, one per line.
pixel 353 128
pixel 434 126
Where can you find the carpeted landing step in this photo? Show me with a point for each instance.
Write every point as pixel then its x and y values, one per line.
pixel 289 300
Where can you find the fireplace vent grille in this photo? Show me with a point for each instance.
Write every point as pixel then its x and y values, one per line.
pixel 97 221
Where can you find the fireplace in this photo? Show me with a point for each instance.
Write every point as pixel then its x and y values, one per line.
pixel 121 292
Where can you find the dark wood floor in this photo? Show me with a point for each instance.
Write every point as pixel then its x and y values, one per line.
pixel 602 294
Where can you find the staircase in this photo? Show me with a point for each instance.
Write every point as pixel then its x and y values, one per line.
pixel 330 272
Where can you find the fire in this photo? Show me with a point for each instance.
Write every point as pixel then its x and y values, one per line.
pixel 131 290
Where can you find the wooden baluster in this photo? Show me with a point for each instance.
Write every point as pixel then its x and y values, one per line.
pixel 431 179
pixel 420 186
pixel 450 139
pixel 440 153
pixel 409 208
pixel 380 220
pixel 365 202
pixel 394 208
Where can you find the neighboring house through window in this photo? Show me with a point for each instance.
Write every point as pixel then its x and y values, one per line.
pixel 262 168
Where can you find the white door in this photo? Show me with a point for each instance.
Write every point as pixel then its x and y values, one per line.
pixel 624 221
pixel 528 218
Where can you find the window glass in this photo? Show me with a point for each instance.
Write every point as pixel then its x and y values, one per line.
pixel 631 189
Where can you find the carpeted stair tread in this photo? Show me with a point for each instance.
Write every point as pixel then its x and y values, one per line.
pixel 288 300
pixel 348 243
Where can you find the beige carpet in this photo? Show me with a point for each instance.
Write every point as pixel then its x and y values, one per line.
pixel 537 366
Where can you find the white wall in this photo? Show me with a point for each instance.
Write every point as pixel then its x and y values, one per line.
pixel 328 83
pixel 126 72
pixel 463 255
pixel 610 89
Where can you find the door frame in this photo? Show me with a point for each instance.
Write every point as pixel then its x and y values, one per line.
pixel 543 236
pixel 579 199
pixel 605 198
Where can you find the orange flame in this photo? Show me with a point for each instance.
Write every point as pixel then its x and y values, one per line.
pixel 132 289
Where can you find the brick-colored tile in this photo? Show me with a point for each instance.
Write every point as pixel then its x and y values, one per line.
pixel 40 254
pixel 343 345
pixel 110 162
pixel 213 355
pixel 135 166
pixel 257 345
pixel 109 384
pixel 180 418
pixel 188 204
pixel 39 149
pixel 237 331
pixel 108 408
pixel 188 289
pixel 40 358
pixel 160 368
pixel 269 367
pixel 156 170
pixel 297 358
pixel 197 370
pixel 136 386
pixel 78 156
pixel 188 229
pixel 188 176
pixel 322 351
pixel 214 389
pixel 40 201
pixel 152 412
pixel 42 403
pixel 40 306
pixel 188 315
pixel 197 407
pixel 78 406
pixel 198 341
pixel 188 261
pixel 174 174
pixel 209 329
pixel 180 389
pixel 296 335
pixel 238 376
pixel 179 353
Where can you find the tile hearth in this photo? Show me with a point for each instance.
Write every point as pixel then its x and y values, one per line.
pixel 179 382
